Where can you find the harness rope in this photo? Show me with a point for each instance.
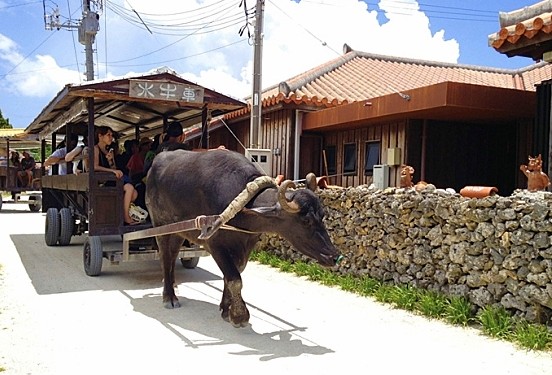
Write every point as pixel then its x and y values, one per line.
pixel 237 204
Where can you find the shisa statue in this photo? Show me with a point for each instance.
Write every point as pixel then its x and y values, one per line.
pixel 406 176
pixel 321 182
pixel 537 180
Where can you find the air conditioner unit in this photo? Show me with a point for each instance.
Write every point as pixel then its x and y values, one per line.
pixel 381 176
pixel 262 158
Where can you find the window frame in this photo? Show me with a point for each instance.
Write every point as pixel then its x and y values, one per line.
pixel 349 158
pixel 331 159
pixel 369 167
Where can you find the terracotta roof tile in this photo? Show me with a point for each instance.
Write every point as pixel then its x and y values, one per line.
pixel 524 32
pixel 358 76
pixel 364 75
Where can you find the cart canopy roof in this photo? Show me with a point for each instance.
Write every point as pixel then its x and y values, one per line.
pixel 131 105
pixel 17 139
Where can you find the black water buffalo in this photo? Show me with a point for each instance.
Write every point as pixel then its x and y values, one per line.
pixel 182 185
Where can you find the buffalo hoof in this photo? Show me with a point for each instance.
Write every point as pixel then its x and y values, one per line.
pixel 225 316
pixel 174 304
pixel 239 315
pixel 240 325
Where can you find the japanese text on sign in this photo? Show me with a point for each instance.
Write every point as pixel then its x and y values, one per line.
pixel 165 90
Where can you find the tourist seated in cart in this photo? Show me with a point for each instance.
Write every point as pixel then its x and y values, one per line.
pixel 58 156
pixel 26 170
pixel 80 154
pixel 130 147
pixel 104 161
pixel 14 159
pixel 135 164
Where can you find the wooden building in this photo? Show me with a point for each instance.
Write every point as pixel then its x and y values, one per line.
pixel 528 32
pixel 457 125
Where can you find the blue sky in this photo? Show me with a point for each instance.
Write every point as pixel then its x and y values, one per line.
pixel 199 39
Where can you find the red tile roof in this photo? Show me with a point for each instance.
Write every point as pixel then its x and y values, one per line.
pixel 357 76
pixel 525 32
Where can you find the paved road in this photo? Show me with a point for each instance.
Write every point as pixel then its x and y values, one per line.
pixel 56 320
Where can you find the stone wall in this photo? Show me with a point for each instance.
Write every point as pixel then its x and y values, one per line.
pixel 495 250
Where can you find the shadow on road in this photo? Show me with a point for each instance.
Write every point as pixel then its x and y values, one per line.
pixel 59 269
pixel 199 324
pixel 13 211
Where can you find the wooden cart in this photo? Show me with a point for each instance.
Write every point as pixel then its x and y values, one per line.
pixel 29 195
pixel 91 203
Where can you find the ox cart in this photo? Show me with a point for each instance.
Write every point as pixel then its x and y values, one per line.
pixel 91 203
pixel 29 195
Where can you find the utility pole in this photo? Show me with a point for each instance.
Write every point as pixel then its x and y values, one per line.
pixel 256 106
pixel 87 27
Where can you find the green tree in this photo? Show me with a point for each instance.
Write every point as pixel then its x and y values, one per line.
pixel 4 122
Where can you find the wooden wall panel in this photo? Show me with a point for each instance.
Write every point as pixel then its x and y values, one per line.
pixel 390 135
pixel 278 131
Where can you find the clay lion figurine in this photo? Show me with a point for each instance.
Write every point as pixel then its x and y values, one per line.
pixel 536 178
pixel 406 176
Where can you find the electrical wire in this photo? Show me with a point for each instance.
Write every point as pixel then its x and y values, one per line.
pixel 223 17
pixel 179 58
pixel 27 56
pixel 196 31
pixel 438 11
pixel 74 44
pixel 323 43
pixel 19 5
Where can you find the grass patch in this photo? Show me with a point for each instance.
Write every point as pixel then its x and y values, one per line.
pixel 495 321
pixel 458 311
pixel 532 336
pixel 431 304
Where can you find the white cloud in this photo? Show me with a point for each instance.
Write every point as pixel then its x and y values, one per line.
pixel 39 76
pixel 297 37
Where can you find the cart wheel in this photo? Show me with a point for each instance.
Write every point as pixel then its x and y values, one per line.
pixel 93 255
pixel 51 234
pixel 66 226
pixel 190 263
pixel 35 203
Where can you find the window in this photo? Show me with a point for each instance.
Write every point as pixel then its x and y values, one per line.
pixel 371 157
pixel 349 158
pixel 330 161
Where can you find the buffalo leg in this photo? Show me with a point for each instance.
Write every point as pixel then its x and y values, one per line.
pixel 169 247
pixel 232 305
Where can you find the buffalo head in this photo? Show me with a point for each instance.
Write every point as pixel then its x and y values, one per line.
pixel 298 217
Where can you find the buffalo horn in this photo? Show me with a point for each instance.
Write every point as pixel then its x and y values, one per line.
pixel 288 206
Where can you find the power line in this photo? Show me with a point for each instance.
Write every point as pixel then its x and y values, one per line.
pixel 193 31
pixel 177 59
pixel 214 21
pixel 74 44
pixel 19 5
pixel 323 43
pixel 435 11
pixel 25 58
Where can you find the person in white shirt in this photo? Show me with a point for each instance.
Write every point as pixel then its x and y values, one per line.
pixel 58 156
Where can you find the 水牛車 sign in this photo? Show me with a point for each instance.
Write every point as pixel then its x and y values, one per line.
pixel 165 90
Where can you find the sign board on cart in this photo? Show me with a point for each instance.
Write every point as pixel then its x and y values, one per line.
pixel 165 90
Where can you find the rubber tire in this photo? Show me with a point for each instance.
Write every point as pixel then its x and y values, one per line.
pixel 37 205
pixel 66 226
pixel 93 256
pixel 190 263
pixel 51 232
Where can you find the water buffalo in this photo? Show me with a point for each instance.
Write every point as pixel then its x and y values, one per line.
pixel 182 185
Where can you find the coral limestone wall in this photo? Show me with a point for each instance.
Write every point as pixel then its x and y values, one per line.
pixel 494 250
